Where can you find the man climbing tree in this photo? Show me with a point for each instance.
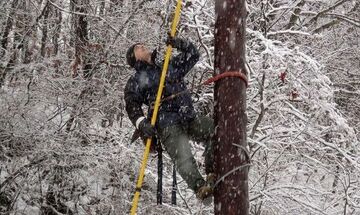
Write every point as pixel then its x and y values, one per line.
pixel 230 154
pixel 177 120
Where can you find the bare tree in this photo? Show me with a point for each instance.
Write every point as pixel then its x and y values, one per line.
pixel 4 42
pixel 231 153
pixel 8 27
pixel 45 29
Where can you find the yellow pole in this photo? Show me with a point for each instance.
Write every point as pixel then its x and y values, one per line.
pixel 156 109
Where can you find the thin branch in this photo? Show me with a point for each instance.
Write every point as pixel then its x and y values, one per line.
pixel 202 43
pixel 262 108
pixel 326 26
pixel 347 92
pixel 20 170
pixel 321 13
pixel 118 32
pixel 183 198
pixel 86 14
pixel 278 18
pixel 295 15
pixel 349 20
pixel 230 172
pixel 288 32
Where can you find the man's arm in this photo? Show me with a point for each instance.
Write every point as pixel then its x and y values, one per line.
pixel 133 102
pixel 188 57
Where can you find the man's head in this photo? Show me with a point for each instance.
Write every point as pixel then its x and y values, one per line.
pixel 138 52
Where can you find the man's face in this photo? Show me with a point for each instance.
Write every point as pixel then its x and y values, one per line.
pixel 141 52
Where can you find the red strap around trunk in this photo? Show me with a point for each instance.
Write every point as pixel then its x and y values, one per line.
pixel 237 74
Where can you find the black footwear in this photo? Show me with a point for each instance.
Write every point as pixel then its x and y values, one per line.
pixel 204 192
pixel 207 190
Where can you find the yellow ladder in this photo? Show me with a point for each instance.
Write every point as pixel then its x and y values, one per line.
pixel 156 109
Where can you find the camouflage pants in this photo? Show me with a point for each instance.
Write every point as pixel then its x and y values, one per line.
pixel 176 138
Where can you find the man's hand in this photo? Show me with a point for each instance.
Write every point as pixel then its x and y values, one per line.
pixel 173 41
pixel 147 130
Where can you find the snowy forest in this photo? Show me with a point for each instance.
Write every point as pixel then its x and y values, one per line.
pixel 65 137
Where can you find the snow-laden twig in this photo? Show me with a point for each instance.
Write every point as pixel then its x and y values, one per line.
pixel 271 33
pixel 349 20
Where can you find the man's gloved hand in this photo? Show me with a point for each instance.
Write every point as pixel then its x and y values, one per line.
pixel 147 130
pixel 175 42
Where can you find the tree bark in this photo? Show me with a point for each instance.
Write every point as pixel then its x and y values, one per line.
pixel 102 8
pixel 81 40
pixel 8 27
pixel 81 37
pixel 57 32
pixel 27 31
pixel 231 156
pixel 44 30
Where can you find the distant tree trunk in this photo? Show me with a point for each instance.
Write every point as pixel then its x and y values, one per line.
pixel 4 43
pixel 56 36
pixel 231 156
pixel 81 38
pixel 58 17
pixel 25 30
pixel 22 32
pixel 44 30
pixel 7 68
pixel 8 27
pixel 81 52
pixel 102 8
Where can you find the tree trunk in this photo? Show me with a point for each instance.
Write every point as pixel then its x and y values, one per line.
pixel 81 40
pixel 44 30
pixel 27 31
pixel 102 8
pixel 231 156
pixel 8 27
pixel 4 68
pixel 81 37
pixel 57 32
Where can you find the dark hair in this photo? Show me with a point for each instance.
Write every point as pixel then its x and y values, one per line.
pixel 130 55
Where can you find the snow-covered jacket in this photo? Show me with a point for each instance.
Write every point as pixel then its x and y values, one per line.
pixel 142 88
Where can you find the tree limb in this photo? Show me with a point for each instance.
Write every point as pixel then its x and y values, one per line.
pixel 321 13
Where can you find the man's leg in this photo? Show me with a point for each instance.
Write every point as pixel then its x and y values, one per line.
pixel 176 142
pixel 201 129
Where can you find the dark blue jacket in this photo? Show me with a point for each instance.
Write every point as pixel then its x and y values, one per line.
pixel 142 88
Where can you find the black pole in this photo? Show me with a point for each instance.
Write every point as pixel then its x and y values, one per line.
pixel 160 172
pixel 173 191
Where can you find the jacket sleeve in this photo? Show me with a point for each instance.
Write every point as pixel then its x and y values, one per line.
pixel 187 59
pixel 133 100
